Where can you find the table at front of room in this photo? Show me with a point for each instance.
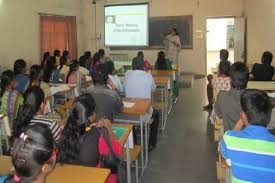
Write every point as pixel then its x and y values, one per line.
pixel 164 84
pixel 139 109
pixel 65 173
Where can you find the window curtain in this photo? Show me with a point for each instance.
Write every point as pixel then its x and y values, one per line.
pixel 58 32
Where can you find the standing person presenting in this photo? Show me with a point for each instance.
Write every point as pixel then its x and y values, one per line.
pixel 173 46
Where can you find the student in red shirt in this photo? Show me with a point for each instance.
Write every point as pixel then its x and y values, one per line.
pixel 147 65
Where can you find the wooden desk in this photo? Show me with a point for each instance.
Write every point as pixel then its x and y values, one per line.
pixel 261 85
pixel 140 108
pixel 163 83
pixel 5 165
pixel 126 134
pixel 163 73
pixel 124 140
pixel 65 173
pixel 72 174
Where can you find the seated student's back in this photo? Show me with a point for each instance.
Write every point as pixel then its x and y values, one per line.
pixel 263 71
pixel 138 83
pixel 251 150
pixel 162 63
pixel 20 67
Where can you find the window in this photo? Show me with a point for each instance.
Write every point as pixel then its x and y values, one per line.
pixel 58 32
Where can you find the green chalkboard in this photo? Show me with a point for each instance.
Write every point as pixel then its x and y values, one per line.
pixel 161 25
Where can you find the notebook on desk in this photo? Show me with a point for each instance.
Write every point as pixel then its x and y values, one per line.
pixel 128 104
pixel 57 89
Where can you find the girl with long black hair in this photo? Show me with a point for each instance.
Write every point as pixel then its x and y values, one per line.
pixel 87 142
pixel 10 99
pixel 32 112
pixel 33 156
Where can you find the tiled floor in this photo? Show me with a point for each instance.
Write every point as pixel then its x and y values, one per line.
pixel 186 152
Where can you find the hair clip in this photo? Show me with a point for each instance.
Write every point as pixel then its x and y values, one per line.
pixel 23 136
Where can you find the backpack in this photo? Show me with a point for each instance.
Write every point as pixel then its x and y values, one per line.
pixel 112 161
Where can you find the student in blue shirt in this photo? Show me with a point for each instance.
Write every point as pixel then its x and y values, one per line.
pixel 140 84
pixel 251 151
pixel 20 68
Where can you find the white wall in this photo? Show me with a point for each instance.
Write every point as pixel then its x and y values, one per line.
pixel 191 60
pixel 261 28
pixel 19 27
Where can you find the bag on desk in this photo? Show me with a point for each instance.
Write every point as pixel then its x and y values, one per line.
pixel 112 161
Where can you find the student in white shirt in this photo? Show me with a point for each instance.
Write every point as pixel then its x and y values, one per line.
pixel 110 69
pixel 140 84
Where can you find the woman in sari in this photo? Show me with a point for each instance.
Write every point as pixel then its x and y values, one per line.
pixel 173 46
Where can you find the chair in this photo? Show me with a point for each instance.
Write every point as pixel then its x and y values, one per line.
pixel 218 130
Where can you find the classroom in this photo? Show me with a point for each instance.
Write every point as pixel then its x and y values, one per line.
pixel 145 91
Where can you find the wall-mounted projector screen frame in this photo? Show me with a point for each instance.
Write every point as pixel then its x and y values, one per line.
pixel 112 19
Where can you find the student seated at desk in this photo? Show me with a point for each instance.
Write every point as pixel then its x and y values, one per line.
pixel 140 84
pixel 33 156
pixel 263 71
pixel 32 112
pixel 20 68
pixel 36 80
pixel 46 56
pixel 10 99
pixel 66 55
pixel 249 151
pixel 86 142
pixel 228 105
pixel 96 62
pixel 57 55
pixel 162 63
pixel 218 83
pixel 102 56
pixel 111 71
pixel 83 65
pixel 108 101
pixel 74 76
pixel 49 71
pixel 147 65
pixel 63 68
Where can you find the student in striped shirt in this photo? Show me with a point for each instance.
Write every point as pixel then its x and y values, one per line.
pixel 251 150
pixel 32 113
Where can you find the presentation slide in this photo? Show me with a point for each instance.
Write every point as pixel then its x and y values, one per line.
pixel 126 25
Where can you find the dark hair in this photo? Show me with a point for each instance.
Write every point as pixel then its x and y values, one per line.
pixel 83 109
pixel 161 61
pixel 239 75
pixel 96 59
pixel 83 61
pixel 138 63
pixel 6 79
pixel 32 151
pixel 224 67
pixel 267 57
pixel 56 53
pixel 46 56
pixel 65 53
pixel 73 67
pixel 87 54
pixel 257 107
pixel 224 54
pixel 19 66
pixel 33 98
pixel 63 61
pixel 48 71
pixel 176 30
pixel 35 73
pixel 100 75
pixel 109 67
pixel 101 52
pixel 140 54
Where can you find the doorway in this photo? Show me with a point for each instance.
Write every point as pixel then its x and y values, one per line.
pixel 225 33
pixel 220 35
